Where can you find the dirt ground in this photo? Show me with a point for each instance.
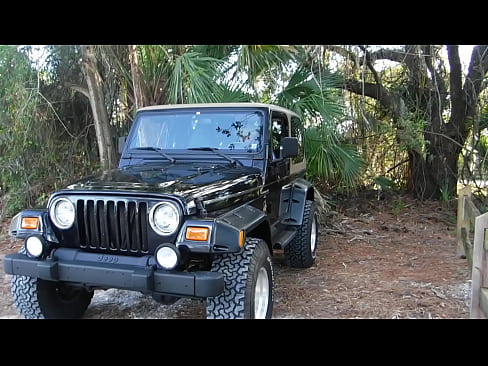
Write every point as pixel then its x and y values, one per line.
pixel 382 259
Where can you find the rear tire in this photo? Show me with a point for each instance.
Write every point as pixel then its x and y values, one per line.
pixel 302 250
pixel 40 299
pixel 248 290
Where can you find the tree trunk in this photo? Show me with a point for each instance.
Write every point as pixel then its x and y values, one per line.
pixel 136 77
pixel 436 175
pixel 95 94
pixel 433 169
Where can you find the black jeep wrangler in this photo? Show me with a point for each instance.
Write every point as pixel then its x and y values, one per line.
pixel 202 196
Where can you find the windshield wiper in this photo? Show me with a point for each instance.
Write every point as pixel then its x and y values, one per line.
pixel 158 150
pixel 214 150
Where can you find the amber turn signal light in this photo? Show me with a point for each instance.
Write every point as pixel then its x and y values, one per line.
pixel 30 222
pixel 197 233
pixel 241 238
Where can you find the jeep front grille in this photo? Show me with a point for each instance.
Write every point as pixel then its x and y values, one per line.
pixel 116 226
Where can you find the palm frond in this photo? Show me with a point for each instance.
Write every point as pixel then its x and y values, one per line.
pixel 308 97
pixel 235 95
pixel 260 61
pixel 331 161
pixel 219 51
pixel 175 85
pixel 201 73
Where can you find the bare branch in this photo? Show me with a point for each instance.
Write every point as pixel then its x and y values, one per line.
pixel 388 54
pixel 55 113
pixel 370 65
pixel 446 137
pixel 378 92
pixel 78 88
pixel 438 81
pixel 381 54
pixel 343 52
pixel 397 165
pixel 477 70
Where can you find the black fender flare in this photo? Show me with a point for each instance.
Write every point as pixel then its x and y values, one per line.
pixel 43 227
pixel 229 226
pixel 292 201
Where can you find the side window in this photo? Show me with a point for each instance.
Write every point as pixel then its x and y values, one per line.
pixel 297 131
pixel 279 129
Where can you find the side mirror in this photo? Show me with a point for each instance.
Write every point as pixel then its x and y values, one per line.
pixel 289 147
pixel 121 144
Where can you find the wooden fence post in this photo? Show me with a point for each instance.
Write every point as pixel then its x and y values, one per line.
pixel 479 275
pixel 464 196
pixel 466 216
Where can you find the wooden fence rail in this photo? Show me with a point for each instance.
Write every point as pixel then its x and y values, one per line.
pixel 470 221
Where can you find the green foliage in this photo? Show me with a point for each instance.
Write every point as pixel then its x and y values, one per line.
pixel 264 63
pixel 47 135
pixel 173 74
pixel 445 193
pixel 331 162
pixel 397 206
pixel 18 101
pixel 384 183
pixel 482 149
pixel 309 97
pixel 41 143
pixel 192 79
pixel 410 134
pixel 337 165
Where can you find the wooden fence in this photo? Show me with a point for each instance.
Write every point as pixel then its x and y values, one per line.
pixel 469 218
pixel 466 216
pixel 479 273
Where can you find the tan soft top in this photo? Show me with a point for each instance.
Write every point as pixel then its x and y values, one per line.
pixel 207 105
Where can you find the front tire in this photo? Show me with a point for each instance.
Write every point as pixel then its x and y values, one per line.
pixel 302 250
pixel 248 290
pixel 40 299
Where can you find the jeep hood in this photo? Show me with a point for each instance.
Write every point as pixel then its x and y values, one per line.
pixel 218 185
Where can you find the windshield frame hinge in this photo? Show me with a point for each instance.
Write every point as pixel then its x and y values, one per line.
pixel 201 210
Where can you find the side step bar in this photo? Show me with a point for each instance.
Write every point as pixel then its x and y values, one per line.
pixel 284 238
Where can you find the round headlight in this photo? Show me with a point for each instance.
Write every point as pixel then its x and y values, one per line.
pixel 167 256
pixel 62 213
pixel 165 218
pixel 34 245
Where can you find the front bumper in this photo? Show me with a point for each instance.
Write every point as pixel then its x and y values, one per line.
pixel 115 271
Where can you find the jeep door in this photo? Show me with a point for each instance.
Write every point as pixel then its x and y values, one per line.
pixel 278 172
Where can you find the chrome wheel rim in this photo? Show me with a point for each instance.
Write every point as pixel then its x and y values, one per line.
pixel 313 236
pixel 261 294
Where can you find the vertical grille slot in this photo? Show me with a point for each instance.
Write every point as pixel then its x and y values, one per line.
pixel 134 225
pixel 91 223
pixel 113 225
pixel 142 219
pixel 123 225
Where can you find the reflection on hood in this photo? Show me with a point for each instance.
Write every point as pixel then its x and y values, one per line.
pixel 188 181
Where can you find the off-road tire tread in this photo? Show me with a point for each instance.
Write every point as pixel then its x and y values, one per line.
pixel 25 294
pixel 297 252
pixel 235 267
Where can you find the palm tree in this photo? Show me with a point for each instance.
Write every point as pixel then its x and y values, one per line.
pixel 285 81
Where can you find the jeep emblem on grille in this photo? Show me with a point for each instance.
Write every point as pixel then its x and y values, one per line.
pixel 107 258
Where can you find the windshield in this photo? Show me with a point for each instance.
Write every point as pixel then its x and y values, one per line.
pixel 181 129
